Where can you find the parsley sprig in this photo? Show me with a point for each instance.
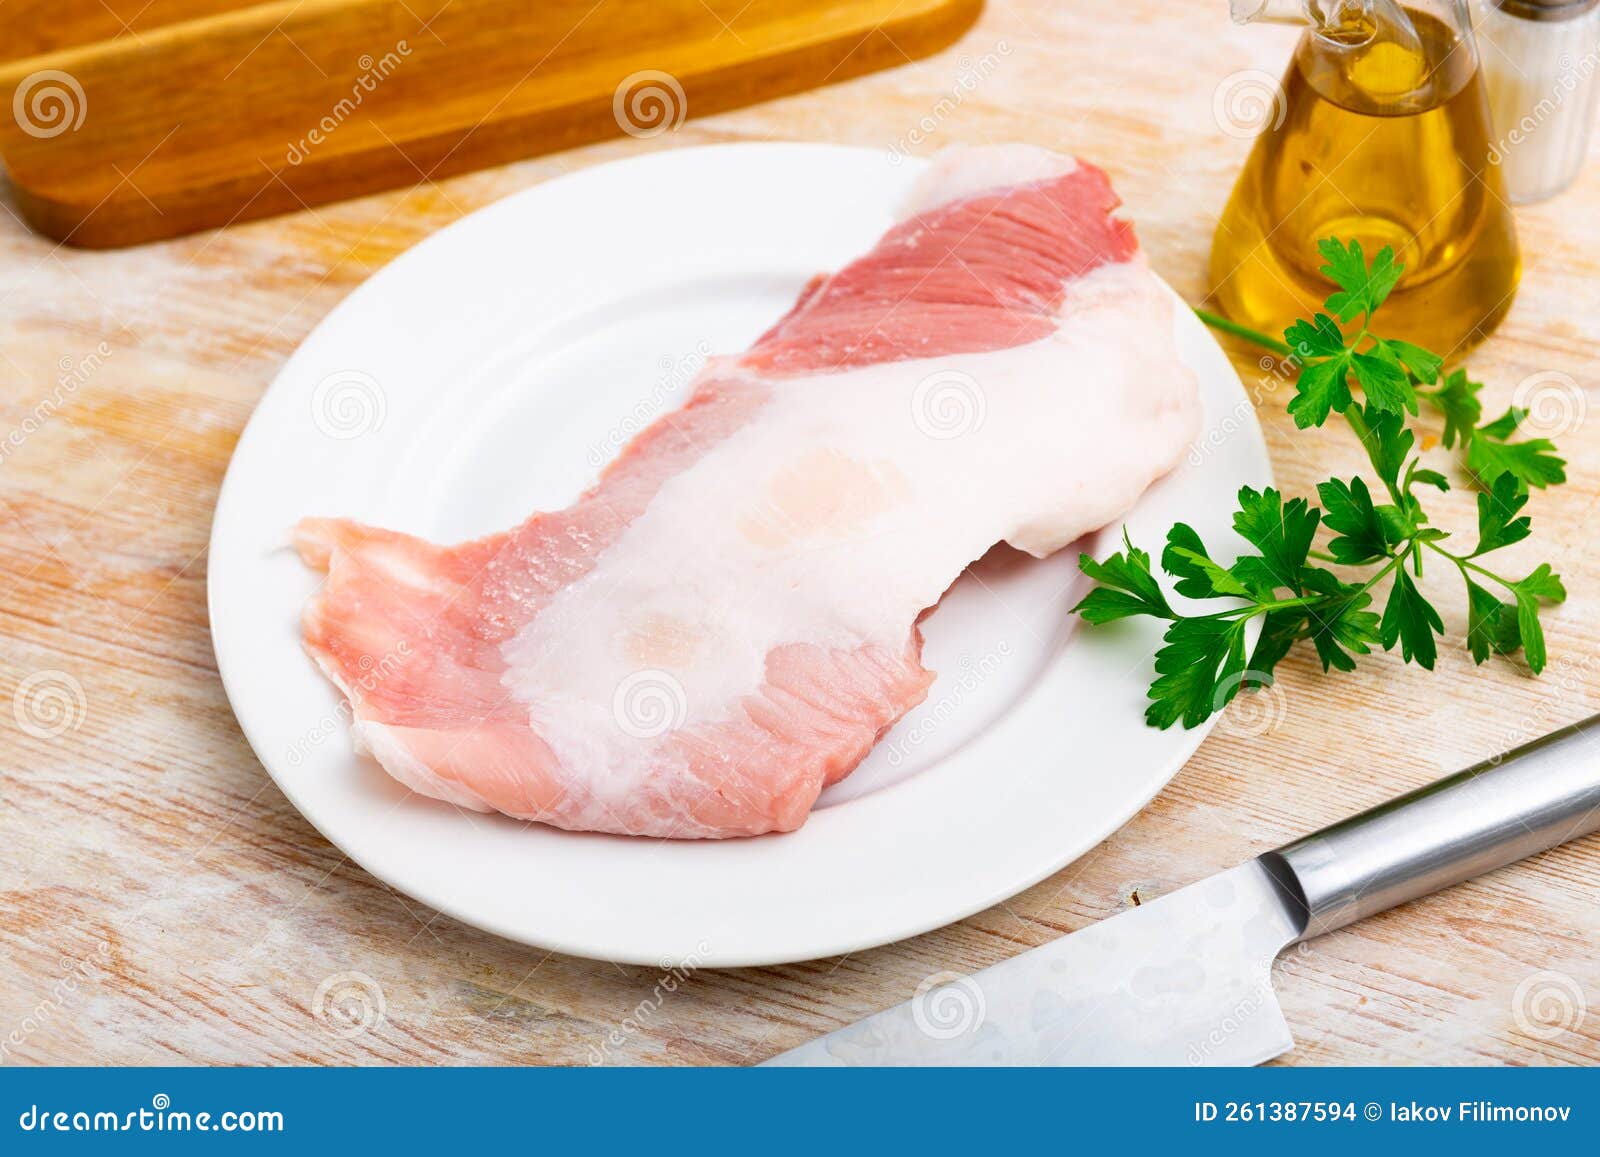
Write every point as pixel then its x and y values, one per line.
pixel 1378 540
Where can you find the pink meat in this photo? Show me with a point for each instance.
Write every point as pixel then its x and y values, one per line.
pixel 415 633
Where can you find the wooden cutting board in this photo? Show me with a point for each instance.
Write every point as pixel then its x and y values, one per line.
pixel 179 115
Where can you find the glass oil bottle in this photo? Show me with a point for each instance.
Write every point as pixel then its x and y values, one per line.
pixel 1383 137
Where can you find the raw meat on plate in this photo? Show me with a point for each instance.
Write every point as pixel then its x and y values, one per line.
pixel 726 621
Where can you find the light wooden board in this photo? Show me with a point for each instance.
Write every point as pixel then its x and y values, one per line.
pixel 149 829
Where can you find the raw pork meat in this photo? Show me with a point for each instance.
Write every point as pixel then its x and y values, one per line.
pixel 726 622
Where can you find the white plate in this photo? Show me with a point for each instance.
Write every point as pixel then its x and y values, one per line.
pixel 487 373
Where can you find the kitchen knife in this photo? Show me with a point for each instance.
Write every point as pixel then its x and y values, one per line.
pixel 1187 979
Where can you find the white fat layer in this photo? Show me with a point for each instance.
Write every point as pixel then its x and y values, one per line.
pixel 968 170
pixel 842 510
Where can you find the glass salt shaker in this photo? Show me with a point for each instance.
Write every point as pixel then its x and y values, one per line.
pixel 1540 62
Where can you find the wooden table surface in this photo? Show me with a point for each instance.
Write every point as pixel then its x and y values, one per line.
pixel 161 902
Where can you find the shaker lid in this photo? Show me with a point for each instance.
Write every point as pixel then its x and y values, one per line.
pixel 1545 11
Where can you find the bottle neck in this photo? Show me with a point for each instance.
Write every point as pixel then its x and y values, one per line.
pixel 1397 73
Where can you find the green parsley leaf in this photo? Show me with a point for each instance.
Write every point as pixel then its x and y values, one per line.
pixel 1341 627
pixel 1318 338
pixel 1362 287
pixel 1423 364
pixel 1383 379
pixel 1532 462
pixel 1281 531
pixel 1194 670
pixel 1388 443
pixel 1186 560
pixel 1498 524
pixel 1403 521
pixel 1411 620
pixel 1322 387
pixel 1457 400
pixel 1542 586
pixel 1488 621
pixel 1126 587
pixel 1280 630
pixel 1531 632
pixel 1504 426
pixel 1350 511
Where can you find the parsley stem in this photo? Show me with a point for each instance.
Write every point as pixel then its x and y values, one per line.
pixel 1217 321
pixel 1398 560
pixel 1464 564
pixel 1251 610
pixel 1285 604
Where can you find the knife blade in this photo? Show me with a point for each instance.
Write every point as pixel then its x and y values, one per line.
pixel 1184 979
pixel 1187 979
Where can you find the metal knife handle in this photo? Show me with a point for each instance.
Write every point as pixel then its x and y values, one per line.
pixel 1504 809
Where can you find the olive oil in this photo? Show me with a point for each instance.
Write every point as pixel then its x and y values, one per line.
pixel 1384 140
